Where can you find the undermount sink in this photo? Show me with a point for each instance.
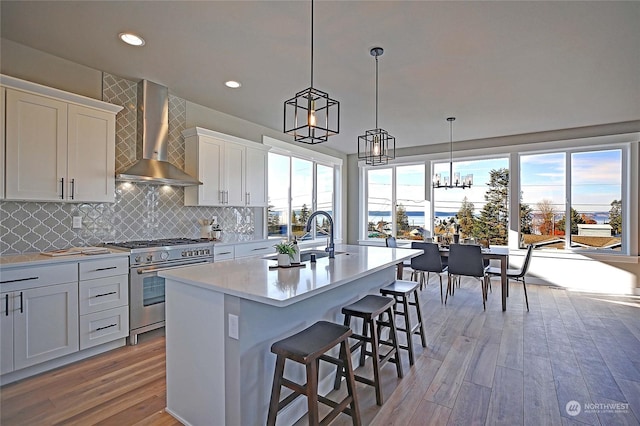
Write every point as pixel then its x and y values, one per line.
pixel 305 255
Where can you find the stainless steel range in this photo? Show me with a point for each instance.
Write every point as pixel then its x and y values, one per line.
pixel 146 288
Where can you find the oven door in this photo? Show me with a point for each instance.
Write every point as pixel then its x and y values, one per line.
pixel 146 297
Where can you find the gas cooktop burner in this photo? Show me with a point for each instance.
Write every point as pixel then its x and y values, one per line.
pixel 165 242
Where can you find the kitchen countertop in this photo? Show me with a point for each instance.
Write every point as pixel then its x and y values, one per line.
pixel 252 279
pixel 33 259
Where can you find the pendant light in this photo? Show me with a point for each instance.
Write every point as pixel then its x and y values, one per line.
pixel 447 182
pixel 377 146
pixel 311 116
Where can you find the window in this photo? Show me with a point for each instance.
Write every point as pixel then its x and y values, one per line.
pixel 593 190
pixel 395 202
pixel 297 188
pixel 480 213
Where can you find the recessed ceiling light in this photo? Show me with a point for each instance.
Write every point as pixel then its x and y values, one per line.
pixel 232 84
pixel 132 39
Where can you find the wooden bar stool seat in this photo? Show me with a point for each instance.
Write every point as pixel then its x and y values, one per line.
pixel 402 291
pixel 371 309
pixel 308 347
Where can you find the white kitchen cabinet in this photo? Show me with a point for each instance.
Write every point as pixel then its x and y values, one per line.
pixel 39 315
pixel 45 324
pixel 59 146
pixel 220 253
pixel 104 301
pixel 2 144
pixel 232 170
pixel 257 167
pixel 254 248
pixel 6 332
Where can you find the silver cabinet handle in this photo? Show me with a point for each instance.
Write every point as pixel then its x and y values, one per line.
pixel 260 248
pixel 62 187
pixel 221 196
pixel 105 294
pixel 73 188
pixel 106 269
pixel 21 303
pixel 18 280
pixel 106 326
pixel 6 305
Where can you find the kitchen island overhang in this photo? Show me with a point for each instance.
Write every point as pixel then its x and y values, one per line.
pixel 223 317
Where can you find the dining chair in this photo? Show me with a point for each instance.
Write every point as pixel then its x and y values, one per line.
pixel 466 260
pixel 391 242
pixel 428 262
pixel 516 274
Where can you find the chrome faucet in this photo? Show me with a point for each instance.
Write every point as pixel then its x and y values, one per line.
pixel 331 248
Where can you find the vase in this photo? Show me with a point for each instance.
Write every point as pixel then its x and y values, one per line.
pixel 456 238
pixel 284 260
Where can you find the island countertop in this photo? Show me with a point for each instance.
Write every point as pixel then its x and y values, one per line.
pixel 253 279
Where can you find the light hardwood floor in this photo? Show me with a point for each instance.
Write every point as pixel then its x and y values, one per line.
pixel 480 367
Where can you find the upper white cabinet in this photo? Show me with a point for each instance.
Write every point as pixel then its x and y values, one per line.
pixel 233 171
pixel 59 146
pixel 2 145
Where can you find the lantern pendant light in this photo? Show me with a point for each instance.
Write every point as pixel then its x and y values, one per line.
pixel 453 180
pixel 311 116
pixel 376 146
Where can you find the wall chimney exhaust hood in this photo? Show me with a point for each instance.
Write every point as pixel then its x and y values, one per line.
pixel 152 166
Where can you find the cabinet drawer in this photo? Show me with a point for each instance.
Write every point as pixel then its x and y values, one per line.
pixel 16 279
pixel 103 327
pixel 104 268
pixel 103 293
pixel 254 249
pixel 223 253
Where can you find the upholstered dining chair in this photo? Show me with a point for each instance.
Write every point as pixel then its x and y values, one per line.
pixel 516 274
pixel 391 242
pixel 466 260
pixel 428 262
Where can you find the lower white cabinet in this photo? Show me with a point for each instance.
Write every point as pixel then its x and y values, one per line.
pixel 259 248
pixel 102 327
pixel 104 301
pixel 45 324
pixel 39 320
pixel 221 253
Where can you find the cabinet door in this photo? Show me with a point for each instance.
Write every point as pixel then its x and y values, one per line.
pixel 36 147
pixel 2 145
pixel 45 324
pixel 6 333
pixel 234 166
pixel 256 177
pixel 91 154
pixel 204 159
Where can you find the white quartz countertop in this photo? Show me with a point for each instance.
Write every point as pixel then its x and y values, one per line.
pixel 251 278
pixel 33 259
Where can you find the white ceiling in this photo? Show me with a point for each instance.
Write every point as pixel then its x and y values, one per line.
pixel 501 68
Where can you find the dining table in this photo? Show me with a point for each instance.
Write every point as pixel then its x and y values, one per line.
pixel 495 252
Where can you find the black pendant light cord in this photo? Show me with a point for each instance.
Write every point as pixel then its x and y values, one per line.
pixel 450 120
pixel 376 91
pixel 311 43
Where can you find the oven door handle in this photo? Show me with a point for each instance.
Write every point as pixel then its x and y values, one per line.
pixel 156 269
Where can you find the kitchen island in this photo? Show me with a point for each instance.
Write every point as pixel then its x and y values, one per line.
pixel 221 319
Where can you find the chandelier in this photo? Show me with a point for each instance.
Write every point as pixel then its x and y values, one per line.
pixel 311 116
pixel 376 146
pixel 447 181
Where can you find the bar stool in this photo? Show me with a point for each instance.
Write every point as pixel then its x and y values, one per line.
pixel 308 347
pixel 370 308
pixel 402 291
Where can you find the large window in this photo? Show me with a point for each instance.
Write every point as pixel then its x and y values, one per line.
pixel 297 188
pixel 395 202
pixel 572 199
pixel 478 214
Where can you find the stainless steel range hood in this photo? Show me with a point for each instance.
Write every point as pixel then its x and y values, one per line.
pixel 152 166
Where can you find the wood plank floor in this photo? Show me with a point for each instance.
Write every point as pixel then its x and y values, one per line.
pixel 480 367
